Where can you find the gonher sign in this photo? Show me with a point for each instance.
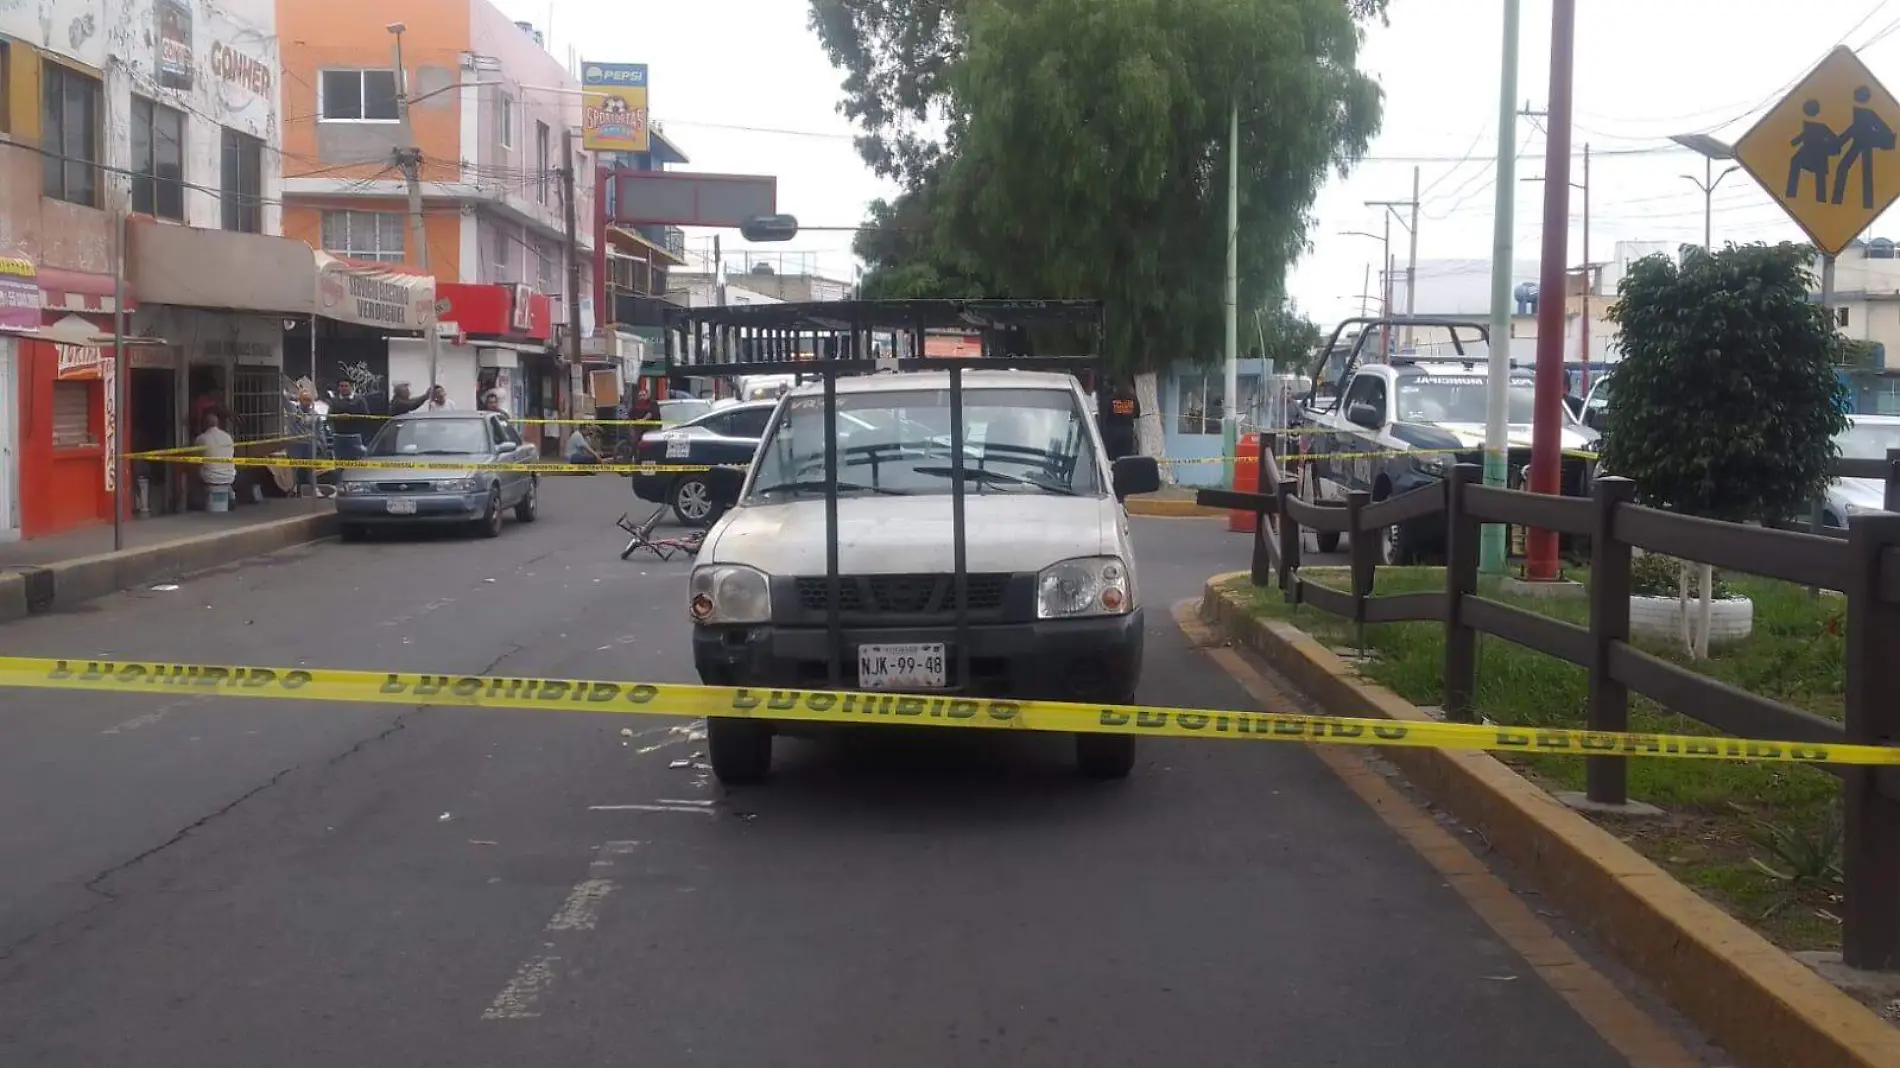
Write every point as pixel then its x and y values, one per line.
pixel 236 68
pixel 374 296
pixel 1826 151
pixel 614 107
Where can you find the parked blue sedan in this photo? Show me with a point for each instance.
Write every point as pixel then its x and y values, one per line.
pixel 457 488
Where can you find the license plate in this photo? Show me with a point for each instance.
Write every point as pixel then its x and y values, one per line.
pixel 400 506
pixel 918 666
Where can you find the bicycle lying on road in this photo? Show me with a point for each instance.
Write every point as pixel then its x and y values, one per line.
pixel 640 537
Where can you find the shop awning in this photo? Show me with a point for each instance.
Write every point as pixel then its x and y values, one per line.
pixel 374 294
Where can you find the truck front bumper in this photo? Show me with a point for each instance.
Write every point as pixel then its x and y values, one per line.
pixel 1094 660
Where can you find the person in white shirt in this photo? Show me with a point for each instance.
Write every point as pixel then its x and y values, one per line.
pixel 438 401
pixel 214 445
pixel 580 450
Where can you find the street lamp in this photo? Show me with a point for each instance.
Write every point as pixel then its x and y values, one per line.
pixel 1711 150
pixel 1385 273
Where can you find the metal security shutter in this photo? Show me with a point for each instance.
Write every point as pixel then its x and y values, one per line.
pixel 72 415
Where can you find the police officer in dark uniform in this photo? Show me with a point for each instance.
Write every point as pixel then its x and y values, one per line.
pixel 1117 415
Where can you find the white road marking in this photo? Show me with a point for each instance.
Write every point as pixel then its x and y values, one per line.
pixel 517 1000
pixel 687 807
pixel 580 910
pixel 153 716
pixel 682 801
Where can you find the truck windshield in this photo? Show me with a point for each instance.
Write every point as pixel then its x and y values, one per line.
pixel 1432 399
pixel 1868 441
pixel 1016 441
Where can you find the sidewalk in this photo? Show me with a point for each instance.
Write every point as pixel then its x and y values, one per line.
pixel 50 574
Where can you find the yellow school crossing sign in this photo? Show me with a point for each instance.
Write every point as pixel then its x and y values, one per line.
pixel 1826 151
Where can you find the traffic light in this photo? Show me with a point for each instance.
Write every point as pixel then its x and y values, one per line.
pixel 763 228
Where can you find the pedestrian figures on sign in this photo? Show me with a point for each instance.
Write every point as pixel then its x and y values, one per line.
pixel 1866 134
pixel 1814 147
pixel 1817 146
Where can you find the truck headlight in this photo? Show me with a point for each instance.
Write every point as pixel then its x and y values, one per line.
pixel 1432 465
pixel 456 485
pixel 730 593
pixel 1086 586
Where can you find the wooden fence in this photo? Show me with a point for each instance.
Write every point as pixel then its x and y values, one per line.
pixel 1864 565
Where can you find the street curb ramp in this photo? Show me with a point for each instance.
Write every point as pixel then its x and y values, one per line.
pixel 1764 1007
pixel 68 583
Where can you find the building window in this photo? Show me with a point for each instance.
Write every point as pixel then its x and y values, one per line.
pixel 72 415
pixel 376 236
pixel 257 403
pixel 504 259
pixel 545 268
pixel 158 160
pixel 357 96
pixel 541 160
pixel 6 89
pixel 505 121
pixel 242 184
pixel 1203 402
pixel 69 135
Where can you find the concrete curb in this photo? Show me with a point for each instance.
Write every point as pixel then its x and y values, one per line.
pixel 1761 1005
pixel 73 582
pixel 1169 509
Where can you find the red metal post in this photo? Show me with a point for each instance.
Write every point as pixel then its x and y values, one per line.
pixel 1547 428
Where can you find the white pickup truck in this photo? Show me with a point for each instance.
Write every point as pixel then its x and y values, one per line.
pixel 1053 607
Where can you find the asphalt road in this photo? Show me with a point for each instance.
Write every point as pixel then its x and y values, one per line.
pixel 197 882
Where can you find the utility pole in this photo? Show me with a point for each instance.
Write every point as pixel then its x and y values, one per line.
pixel 409 158
pixel 570 220
pixel 1589 278
pixel 1491 550
pixel 1547 413
pixel 1230 427
pixel 1411 262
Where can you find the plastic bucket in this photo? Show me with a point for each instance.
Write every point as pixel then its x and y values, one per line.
pixel 217 498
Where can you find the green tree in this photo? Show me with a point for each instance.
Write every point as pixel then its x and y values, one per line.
pixel 1287 337
pixel 1726 402
pixel 1077 148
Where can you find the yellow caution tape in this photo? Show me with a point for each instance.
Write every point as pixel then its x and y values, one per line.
pixel 532 422
pixel 1307 457
pixel 323 464
pixel 818 706
pixel 186 450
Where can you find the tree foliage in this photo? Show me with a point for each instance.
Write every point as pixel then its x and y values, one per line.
pixel 1287 337
pixel 1726 401
pixel 1078 148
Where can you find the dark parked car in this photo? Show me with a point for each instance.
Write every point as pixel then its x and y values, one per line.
pixel 727 436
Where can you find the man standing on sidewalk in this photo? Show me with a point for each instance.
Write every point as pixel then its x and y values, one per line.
pixel 1117 415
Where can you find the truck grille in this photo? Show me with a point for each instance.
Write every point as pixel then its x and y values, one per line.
pixel 903 594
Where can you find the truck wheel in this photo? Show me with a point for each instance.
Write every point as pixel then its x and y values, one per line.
pixel 1326 541
pixel 1105 756
pixel 741 750
pixel 1398 546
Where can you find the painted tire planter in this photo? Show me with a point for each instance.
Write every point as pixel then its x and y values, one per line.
pixel 1660 618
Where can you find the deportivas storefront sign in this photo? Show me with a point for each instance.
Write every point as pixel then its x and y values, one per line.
pixel 374 295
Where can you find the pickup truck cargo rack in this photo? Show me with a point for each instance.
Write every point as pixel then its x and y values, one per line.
pixel 829 339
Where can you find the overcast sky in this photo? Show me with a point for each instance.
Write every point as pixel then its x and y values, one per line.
pixel 727 74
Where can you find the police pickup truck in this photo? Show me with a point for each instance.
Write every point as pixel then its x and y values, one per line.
pixel 1390 428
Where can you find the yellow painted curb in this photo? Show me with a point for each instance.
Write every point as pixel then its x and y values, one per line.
pixel 1167 508
pixel 1761 1005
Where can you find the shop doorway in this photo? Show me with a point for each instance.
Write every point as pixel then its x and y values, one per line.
pixel 151 423
pixel 9 449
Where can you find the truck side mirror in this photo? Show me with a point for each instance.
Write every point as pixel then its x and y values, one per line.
pixel 1136 474
pixel 1366 415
